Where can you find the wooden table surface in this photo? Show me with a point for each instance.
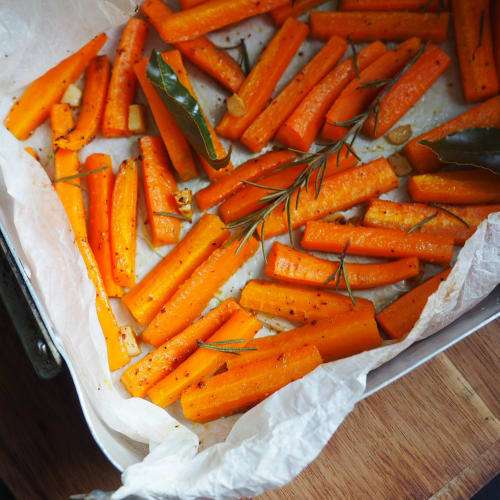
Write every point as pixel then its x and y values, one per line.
pixel 434 433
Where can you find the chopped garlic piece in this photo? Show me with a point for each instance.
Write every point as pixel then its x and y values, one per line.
pixel 236 106
pixel 137 119
pixel 184 200
pixel 129 340
pixel 399 135
pixel 72 96
pixel 400 164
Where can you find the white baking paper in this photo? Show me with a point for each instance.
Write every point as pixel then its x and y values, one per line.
pixel 270 444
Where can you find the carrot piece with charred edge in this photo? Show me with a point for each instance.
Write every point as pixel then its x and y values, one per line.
pixel 398 318
pixel 338 337
pixel 407 91
pixel 145 300
pixel 177 145
pixel 286 264
pixel 200 51
pixel 258 86
pixel 377 242
pixel 248 199
pixel 475 49
pixel 251 170
pixel 265 126
pixel 303 125
pixel 338 192
pixel 62 122
pixel 237 390
pixel 34 106
pixel 32 153
pixel 298 303
pixel 212 15
pixel 461 187
pixel 195 293
pixel 371 26
pixel 404 216
pixel 100 189
pixel 159 189
pixel 204 362
pixel 354 99
pixel 94 96
pixel 394 5
pixel 296 9
pixel 174 59
pixel 145 373
pixel 423 159
pixel 123 226
pixel 66 163
pixel 121 90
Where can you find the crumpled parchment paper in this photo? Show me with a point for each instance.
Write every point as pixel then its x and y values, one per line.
pixel 269 445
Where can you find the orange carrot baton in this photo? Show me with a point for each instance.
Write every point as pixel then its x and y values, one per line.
pixel 145 300
pixel 298 303
pixel 236 390
pixel 299 7
pixel 423 159
pixel 34 106
pixel 475 49
pixel 61 121
pixel 265 126
pixel 394 5
pixel 258 86
pixel 123 82
pixel 123 226
pixel 399 318
pixel 159 189
pixel 286 264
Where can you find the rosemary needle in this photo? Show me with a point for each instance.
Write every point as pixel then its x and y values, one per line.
pixel 79 175
pixel 449 212
pixel 173 214
pixel 219 346
pixel 421 223
pixel 342 271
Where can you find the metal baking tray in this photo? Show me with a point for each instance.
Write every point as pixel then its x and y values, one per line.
pixel 36 333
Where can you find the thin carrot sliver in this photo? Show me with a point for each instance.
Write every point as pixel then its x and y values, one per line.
pixel 34 106
pixel 145 300
pixel 296 9
pixel 260 83
pixel 265 126
pixel 159 188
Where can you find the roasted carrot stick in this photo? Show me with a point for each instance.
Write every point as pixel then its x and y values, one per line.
pixel 145 300
pixel 399 318
pixel 239 389
pixel 251 170
pixel 100 189
pixel 141 376
pixel 461 187
pixel 265 126
pixel 33 107
pixel 404 216
pixel 258 86
pixel 174 59
pixel 188 4
pixel 123 82
pixel 195 293
pixel 303 125
pixel 475 49
pixel 94 95
pixel 204 362
pixel 286 264
pixel 377 242
pixel 338 337
pixel 298 303
pixel 407 90
pixel 354 99
pixel 159 189
pixel 177 145
pixel 66 164
pixel 371 26
pixel 123 225
pixel 200 51
pixel 423 159
pixel 296 9
pixel 338 192
pixel 62 122
pixel 394 5
pixel 212 15
pixel 249 199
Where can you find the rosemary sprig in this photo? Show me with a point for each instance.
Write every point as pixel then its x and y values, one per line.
pixel 173 214
pixel 374 83
pixel 79 175
pixel 219 346
pixel 354 57
pixel 341 271
pixel 421 223
pixel 449 212
pixel 243 59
